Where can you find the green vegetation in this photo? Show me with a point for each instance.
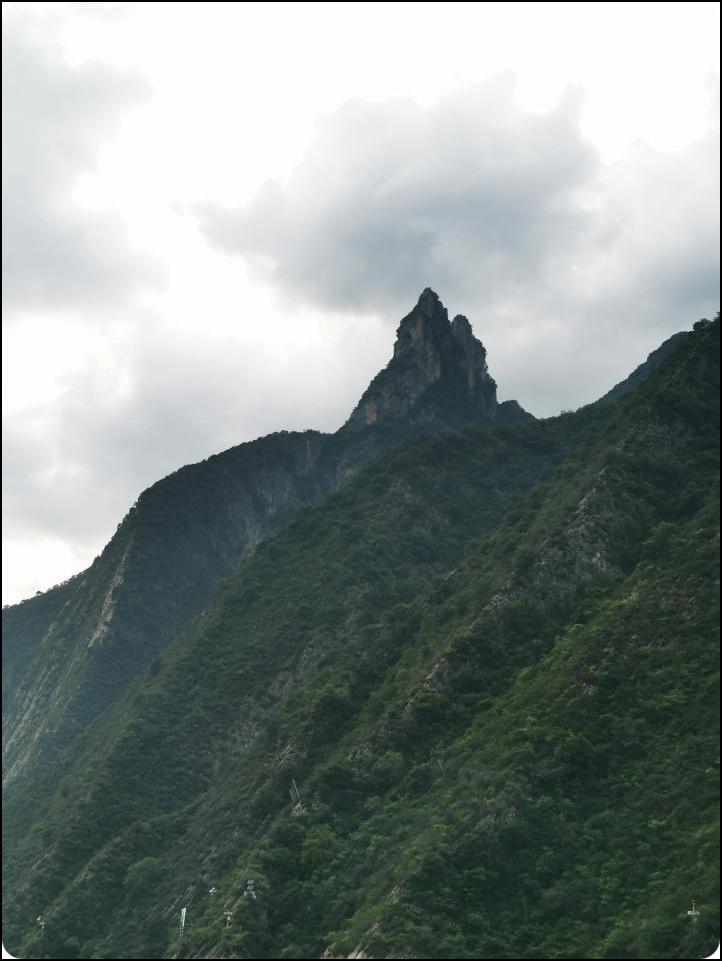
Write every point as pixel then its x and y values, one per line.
pixel 161 567
pixel 489 664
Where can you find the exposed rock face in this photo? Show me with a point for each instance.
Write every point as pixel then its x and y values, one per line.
pixel 437 376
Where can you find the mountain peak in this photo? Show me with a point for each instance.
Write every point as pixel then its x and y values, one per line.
pixel 460 327
pixel 429 303
pixel 437 376
pixel 423 330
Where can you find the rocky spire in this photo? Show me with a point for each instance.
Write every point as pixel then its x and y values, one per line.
pixel 474 362
pixel 437 376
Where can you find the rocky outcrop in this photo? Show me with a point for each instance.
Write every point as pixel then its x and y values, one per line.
pixel 437 377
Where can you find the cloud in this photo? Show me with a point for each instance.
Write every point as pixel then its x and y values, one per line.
pixel 468 196
pixel 665 211
pixel 55 253
pixel 570 269
pixel 72 465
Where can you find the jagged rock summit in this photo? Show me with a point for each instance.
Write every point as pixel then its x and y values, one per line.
pixel 437 377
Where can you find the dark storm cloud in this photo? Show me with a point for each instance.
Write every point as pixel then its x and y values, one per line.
pixel 56 254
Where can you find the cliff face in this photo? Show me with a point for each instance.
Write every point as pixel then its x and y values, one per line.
pixel 437 377
pixel 69 653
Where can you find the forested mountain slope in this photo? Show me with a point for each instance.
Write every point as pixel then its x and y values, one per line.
pixel 487 664
pixel 644 370
pixel 68 653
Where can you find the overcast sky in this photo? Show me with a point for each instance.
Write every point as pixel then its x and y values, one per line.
pixel 214 216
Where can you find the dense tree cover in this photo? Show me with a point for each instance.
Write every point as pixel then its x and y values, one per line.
pixel 488 663
pixel 23 627
pixel 644 370
pixel 69 652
